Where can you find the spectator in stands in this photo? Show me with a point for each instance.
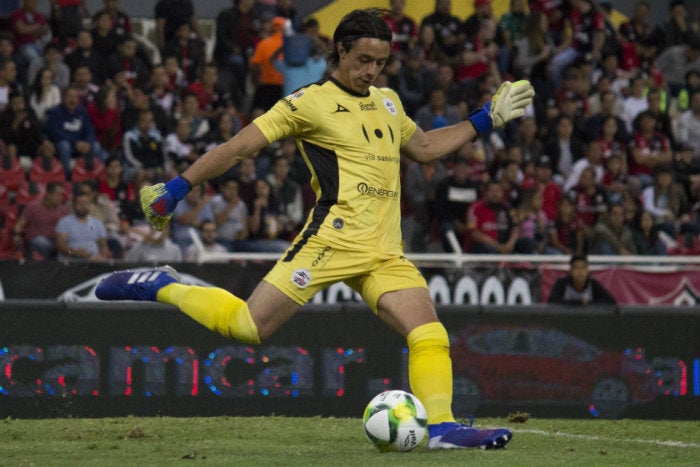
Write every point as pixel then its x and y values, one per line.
pixel 67 19
pixel 526 139
pixel 162 93
pixel 646 235
pixel 567 232
pixel 608 109
pixel 563 148
pixel 226 127
pixel 31 30
pixel 609 142
pixel 169 14
pixel 230 214
pixel 586 34
pixel 657 105
pixel 593 160
pixel 141 100
pixel 263 223
pixel 106 211
pixel 86 54
pixel 179 147
pixel 511 29
pixel 121 23
pixel 267 78
pixel 689 126
pixel 69 127
pixel 665 200
pixel 43 94
pixel 8 82
pixel 208 235
pixel 154 247
pixel 533 50
pixel 449 34
pixel 533 222
pixel 106 118
pixel 551 190
pixel 674 62
pixel 82 80
pixel 578 287
pixel 589 197
pixel 404 32
pixel 19 128
pixel 192 212
pixel 648 148
pixel 126 59
pixel 143 148
pixel 80 236
pixel 104 37
pixel 35 227
pixel 236 36
pixel 213 99
pixel 453 196
pixel 53 60
pixel 692 87
pixel 286 194
pixel 176 77
pixel 247 175
pixel 419 187
pixel 611 236
pixel 189 51
pixel 480 54
pixel 427 44
pixel 491 227
pixel 299 63
pixel 437 113
pixel 118 190
pixel 199 126
pixel 615 180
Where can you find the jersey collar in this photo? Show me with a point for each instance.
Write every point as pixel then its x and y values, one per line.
pixel 346 89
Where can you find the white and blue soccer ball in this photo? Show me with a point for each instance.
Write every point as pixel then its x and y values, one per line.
pixel 395 421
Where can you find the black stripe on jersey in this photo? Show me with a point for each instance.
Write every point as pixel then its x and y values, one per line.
pixel 391 132
pixel 324 163
pixel 364 132
pixel 347 89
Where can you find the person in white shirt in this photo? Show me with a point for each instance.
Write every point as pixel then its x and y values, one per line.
pixel 208 235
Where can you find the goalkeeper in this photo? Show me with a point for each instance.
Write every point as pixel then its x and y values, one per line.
pixel 350 135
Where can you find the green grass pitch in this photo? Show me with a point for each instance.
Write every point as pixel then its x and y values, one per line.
pixel 314 441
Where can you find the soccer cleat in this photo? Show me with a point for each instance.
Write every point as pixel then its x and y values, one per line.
pixel 141 285
pixel 451 435
pixel 157 205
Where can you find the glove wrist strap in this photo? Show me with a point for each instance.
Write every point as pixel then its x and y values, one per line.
pixel 481 120
pixel 178 187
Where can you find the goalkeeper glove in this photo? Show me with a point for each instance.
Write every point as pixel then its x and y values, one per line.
pixel 508 103
pixel 158 201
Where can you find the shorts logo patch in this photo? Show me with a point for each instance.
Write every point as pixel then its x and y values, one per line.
pixel 301 277
pixel 338 223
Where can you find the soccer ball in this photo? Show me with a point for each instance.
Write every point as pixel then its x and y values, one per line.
pixel 395 421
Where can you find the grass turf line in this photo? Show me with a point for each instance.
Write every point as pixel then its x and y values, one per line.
pixel 315 441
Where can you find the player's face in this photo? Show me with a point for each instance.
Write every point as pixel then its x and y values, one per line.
pixel 359 67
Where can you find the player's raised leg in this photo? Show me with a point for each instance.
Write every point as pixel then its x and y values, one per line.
pixel 213 307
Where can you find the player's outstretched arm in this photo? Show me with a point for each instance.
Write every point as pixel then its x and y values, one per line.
pixel 158 201
pixel 508 103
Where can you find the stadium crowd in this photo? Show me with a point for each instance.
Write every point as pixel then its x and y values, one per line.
pixel 606 161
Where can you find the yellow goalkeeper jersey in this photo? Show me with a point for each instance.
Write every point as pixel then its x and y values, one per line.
pixel 351 144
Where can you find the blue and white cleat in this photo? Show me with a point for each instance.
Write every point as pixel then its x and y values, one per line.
pixel 140 284
pixel 451 435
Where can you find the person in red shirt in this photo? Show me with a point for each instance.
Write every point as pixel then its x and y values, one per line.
pixel 31 30
pixel 491 226
pixel 36 226
pixel 106 118
pixel 648 149
pixel 404 32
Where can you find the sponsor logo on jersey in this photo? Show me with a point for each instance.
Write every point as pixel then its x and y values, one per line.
pixel 289 103
pixel 301 277
pixel 340 108
pixel 368 190
pixel 390 106
pixel 321 255
pixel 370 106
pixel 297 94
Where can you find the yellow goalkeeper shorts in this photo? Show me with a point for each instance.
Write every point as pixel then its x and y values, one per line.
pixel 311 265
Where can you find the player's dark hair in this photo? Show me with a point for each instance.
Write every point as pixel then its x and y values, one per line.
pixel 356 25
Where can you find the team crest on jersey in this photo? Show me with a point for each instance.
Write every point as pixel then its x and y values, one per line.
pixel 301 277
pixel 390 106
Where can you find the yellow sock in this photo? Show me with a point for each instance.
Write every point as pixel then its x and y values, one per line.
pixel 430 370
pixel 214 308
